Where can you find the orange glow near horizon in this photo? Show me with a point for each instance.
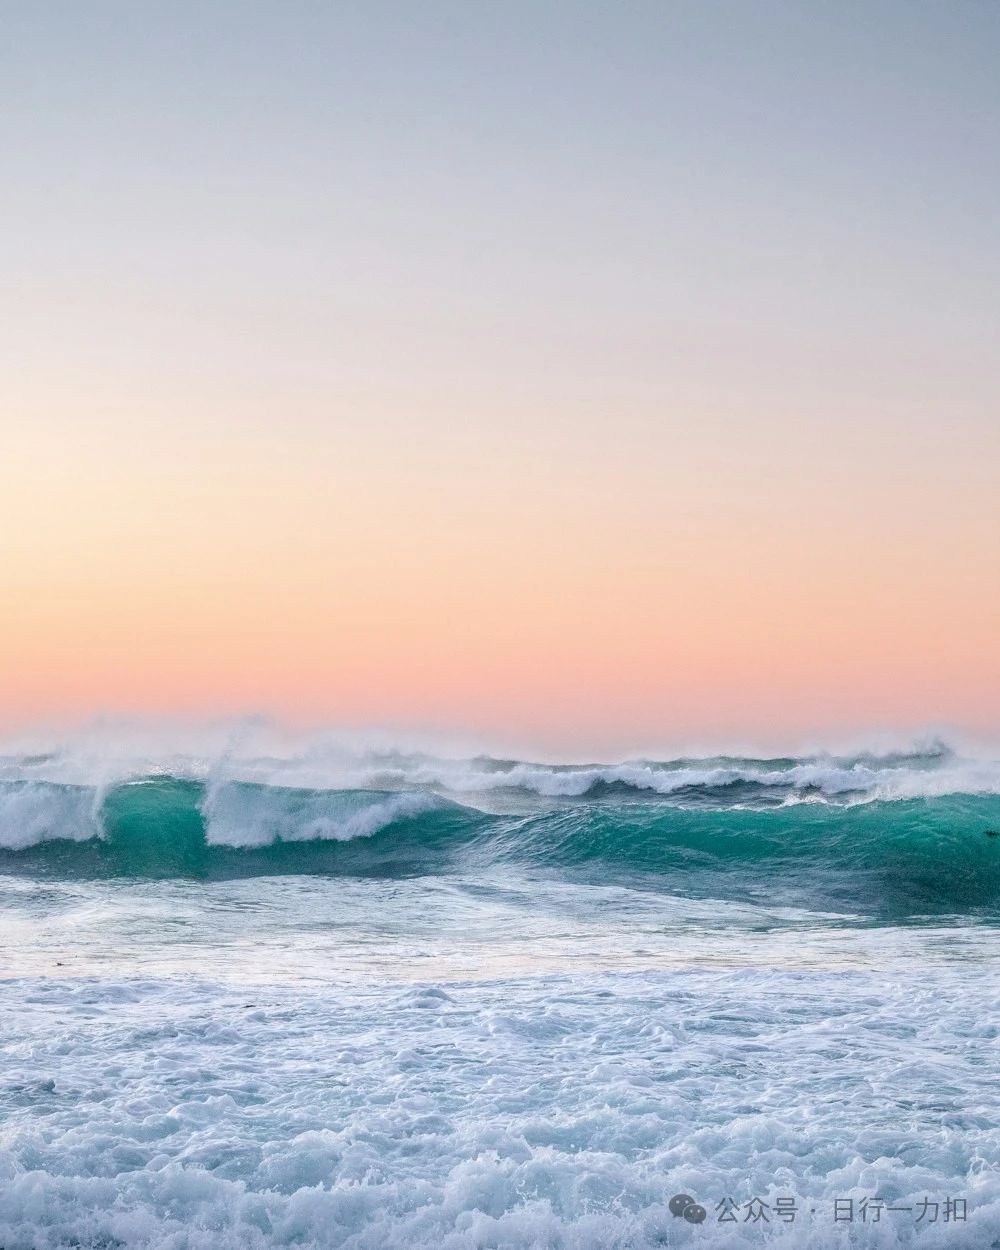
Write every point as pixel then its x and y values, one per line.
pixel 609 606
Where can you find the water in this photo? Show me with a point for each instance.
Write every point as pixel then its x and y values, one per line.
pixel 329 999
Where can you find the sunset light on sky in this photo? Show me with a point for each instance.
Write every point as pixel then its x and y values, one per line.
pixel 627 384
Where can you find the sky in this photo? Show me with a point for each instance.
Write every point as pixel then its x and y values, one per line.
pixel 589 376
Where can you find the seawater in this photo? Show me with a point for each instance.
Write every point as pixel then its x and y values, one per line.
pixel 394 1000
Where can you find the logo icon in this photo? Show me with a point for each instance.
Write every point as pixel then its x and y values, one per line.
pixel 685 1206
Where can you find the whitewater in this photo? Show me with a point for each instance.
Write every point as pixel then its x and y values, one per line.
pixel 260 995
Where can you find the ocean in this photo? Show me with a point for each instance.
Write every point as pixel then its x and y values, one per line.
pixel 383 999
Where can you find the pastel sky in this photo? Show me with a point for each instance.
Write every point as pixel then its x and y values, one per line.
pixel 596 376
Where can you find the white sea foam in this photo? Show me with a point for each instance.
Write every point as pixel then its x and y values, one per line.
pixel 492 1059
pixel 33 812
pixel 241 816
pixel 866 780
pixel 556 1112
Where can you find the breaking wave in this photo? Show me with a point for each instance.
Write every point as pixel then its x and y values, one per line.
pixel 900 834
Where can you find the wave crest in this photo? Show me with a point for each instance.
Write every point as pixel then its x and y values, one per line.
pixel 903 832
pixel 254 816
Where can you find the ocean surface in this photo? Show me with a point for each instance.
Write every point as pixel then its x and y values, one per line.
pixel 379 1000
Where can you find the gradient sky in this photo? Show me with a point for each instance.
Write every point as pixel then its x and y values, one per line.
pixel 592 376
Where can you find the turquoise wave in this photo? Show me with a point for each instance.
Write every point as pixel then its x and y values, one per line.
pixel 900 857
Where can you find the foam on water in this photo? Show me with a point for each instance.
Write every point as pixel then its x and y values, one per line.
pixel 389 1000
pixel 322 762
pixel 549 1112
pixel 891 857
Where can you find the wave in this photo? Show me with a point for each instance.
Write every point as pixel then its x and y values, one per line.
pixel 226 815
pixel 162 825
pixel 722 780
pixel 933 770
pixel 900 856
pixel 926 855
